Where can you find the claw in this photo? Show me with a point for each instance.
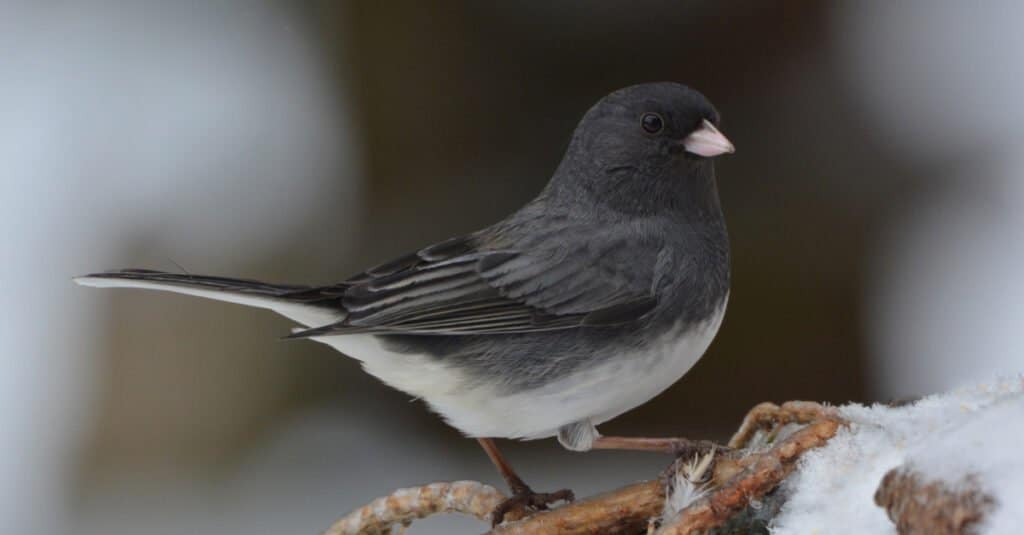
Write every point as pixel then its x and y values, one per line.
pixel 688 448
pixel 526 499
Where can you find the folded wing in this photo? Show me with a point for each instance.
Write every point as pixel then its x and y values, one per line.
pixel 455 288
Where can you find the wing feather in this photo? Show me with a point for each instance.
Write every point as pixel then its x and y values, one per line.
pixel 455 288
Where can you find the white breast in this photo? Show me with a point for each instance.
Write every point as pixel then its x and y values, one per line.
pixel 596 394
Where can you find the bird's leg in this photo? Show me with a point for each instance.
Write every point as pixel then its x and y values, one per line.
pixel 679 447
pixel 522 495
pixel 510 476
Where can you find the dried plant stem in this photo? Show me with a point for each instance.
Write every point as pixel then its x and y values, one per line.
pixel 626 510
pixel 769 415
pixel 919 506
pixel 405 505
pixel 737 477
pixel 762 473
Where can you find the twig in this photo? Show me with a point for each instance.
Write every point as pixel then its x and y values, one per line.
pixel 919 506
pixel 769 415
pixel 737 478
pixel 626 510
pixel 763 472
pixel 405 505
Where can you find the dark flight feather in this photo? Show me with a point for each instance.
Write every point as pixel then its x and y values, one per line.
pixel 454 288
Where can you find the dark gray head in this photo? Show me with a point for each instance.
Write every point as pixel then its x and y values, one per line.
pixel 644 149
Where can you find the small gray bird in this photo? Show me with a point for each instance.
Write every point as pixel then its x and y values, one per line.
pixel 587 302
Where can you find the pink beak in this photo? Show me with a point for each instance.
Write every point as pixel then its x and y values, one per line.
pixel 707 141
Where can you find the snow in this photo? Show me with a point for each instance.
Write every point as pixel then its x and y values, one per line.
pixel 974 431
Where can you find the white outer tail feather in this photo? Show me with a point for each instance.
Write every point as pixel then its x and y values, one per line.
pixel 308 315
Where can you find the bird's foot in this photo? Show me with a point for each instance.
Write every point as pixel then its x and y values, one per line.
pixel 526 500
pixel 681 447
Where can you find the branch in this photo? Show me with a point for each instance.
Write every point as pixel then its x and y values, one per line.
pixel 759 474
pixel 737 478
pixel 626 510
pixel 917 505
pixel 766 416
pixel 405 505
pixel 726 483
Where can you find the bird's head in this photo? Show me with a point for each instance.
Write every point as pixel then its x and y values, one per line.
pixel 647 146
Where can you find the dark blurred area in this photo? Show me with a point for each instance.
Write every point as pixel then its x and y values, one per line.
pixel 467 110
pixel 304 142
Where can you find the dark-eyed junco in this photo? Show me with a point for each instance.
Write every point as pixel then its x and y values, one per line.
pixel 587 302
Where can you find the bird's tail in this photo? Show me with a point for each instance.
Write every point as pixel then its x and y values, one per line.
pixel 307 305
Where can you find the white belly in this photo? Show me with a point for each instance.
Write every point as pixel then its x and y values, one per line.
pixel 597 394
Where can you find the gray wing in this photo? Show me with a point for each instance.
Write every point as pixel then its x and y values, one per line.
pixel 455 288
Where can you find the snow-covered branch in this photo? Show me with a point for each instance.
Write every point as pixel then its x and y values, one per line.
pixel 944 464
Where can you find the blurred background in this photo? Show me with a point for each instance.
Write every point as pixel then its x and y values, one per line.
pixel 874 204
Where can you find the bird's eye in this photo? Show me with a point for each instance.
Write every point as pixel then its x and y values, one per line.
pixel 652 123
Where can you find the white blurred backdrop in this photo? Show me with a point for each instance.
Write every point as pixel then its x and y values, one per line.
pixel 943 84
pixel 140 133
